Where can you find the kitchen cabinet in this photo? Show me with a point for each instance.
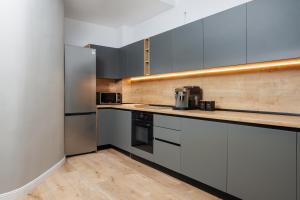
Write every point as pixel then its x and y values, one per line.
pixel 161 56
pixel 121 123
pixel 114 127
pixel 132 59
pixel 225 38
pixel 169 122
pixel 298 166
pixel 273 29
pixel 204 152
pixel 107 59
pixel 167 155
pixel 261 163
pixel 135 59
pixel 167 150
pixel 123 62
pixel 188 47
pixel 105 126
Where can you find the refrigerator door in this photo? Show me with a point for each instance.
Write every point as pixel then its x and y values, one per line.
pixel 80 134
pixel 80 80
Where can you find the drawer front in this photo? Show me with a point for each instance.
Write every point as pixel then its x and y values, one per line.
pixel 167 134
pixel 167 122
pixel 167 155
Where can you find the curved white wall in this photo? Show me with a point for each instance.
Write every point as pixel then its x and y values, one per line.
pixel 31 89
pixel 80 33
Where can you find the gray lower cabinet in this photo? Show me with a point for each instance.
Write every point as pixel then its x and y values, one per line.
pixel 225 38
pixel 161 56
pixel 168 122
pixel 104 126
pixel 273 29
pixel 261 163
pixel 298 166
pixel 167 150
pixel 188 47
pixel 114 127
pixel 167 155
pixel 204 152
pixel 107 59
pixel 121 124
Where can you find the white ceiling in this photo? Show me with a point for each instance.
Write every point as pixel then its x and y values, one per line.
pixel 115 13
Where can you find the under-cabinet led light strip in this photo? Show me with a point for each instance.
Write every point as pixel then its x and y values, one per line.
pixel 263 66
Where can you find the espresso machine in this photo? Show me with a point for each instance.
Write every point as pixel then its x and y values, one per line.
pixel 187 98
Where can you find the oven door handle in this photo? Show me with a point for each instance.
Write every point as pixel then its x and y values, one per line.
pixel 147 125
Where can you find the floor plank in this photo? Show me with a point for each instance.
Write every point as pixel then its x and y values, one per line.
pixel 110 175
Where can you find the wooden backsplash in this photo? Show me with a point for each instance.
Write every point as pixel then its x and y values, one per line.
pixel 109 85
pixel 276 91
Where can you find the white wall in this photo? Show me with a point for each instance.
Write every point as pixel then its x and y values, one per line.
pixel 194 9
pixel 31 89
pixel 80 33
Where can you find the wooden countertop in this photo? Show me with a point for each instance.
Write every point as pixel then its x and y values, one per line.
pixel 244 117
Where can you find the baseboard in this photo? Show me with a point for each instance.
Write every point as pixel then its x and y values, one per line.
pixel 17 193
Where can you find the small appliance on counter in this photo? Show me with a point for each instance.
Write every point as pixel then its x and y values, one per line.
pixel 187 98
pixel 207 105
pixel 108 98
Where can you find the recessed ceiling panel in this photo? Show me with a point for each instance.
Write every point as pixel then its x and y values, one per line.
pixel 115 13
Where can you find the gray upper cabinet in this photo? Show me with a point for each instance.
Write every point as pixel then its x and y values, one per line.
pixel 273 30
pixel 225 38
pixel 261 163
pixel 204 152
pixel 132 59
pixel 135 59
pixel 161 56
pixel 188 47
pixel 107 62
pixel 123 62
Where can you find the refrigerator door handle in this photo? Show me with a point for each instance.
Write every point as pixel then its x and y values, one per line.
pixel 84 113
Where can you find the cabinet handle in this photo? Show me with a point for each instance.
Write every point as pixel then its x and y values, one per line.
pixel 165 141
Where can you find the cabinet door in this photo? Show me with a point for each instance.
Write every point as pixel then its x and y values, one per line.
pixel 225 38
pixel 161 59
pixel 261 163
pixel 123 62
pixel 273 29
pixel 135 59
pixel 107 62
pixel 167 155
pixel 298 166
pixel 121 123
pixel 105 126
pixel 204 152
pixel 188 47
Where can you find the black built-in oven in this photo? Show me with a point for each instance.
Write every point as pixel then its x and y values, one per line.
pixel 142 131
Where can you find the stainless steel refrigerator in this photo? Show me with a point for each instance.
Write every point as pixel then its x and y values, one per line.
pixel 80 100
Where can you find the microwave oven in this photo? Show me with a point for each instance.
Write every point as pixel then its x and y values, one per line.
pixel 108 98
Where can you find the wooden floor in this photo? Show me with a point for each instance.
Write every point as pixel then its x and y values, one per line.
pixel 110 175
